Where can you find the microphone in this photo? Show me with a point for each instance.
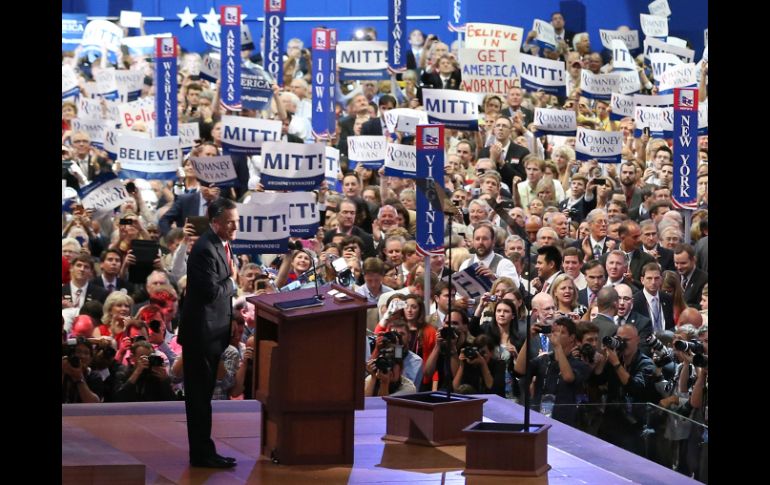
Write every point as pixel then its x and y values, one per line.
pixel 296 245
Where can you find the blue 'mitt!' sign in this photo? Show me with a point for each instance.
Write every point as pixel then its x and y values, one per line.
pixel 166 123
pixel 230 93
pixel 397 36
pixel 430 168
pixel 685 194
pixel 273 32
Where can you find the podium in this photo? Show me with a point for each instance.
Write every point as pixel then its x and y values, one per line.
pixel 309 374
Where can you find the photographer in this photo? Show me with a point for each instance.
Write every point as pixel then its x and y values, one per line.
pixel 452 336
pixel 145 378
pixel 396 333
pixel 480 372
pixel 558 372
pixel 593 393
pixel 386 367
pixel 629 375
pixel 78 383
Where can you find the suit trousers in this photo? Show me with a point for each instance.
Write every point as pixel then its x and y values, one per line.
pixel 200 373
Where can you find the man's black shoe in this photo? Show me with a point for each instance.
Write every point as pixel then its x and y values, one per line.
pixel 212 462
pixel 226 458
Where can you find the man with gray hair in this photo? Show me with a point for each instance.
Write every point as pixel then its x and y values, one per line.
pixel 597 242
pixel 299 125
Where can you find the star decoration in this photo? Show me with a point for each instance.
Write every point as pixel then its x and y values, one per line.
pixel 212 17
pixel 186 18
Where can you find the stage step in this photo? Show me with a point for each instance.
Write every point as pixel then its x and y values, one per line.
pixel 85 459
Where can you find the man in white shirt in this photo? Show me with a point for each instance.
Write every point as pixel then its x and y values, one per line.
pixel 491 265
pixel 570 264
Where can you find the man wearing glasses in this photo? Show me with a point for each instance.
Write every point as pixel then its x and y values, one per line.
pixel 346 218
pixel 90 162
pixel 506 154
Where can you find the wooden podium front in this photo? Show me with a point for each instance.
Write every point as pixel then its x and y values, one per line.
pixel 309 376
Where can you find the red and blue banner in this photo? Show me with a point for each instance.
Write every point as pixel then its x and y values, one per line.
pixel 685 195
pixel 166 122
pixel 273 33
pixel 430 168
pixel 230 91
pixel 397 35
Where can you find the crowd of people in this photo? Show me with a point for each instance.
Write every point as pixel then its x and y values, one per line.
pixel 610 279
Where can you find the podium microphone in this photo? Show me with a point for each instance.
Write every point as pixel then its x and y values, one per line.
pixel 296 245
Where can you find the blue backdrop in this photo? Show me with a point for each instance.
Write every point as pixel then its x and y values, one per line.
pixel 688 17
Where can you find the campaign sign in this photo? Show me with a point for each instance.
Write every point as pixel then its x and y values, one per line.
pixel 653 26
pixel 546 36
pixel 682 76
pixel 143 45
pixel 215 170
pixel 211 33
pixel 630 38
pixel 273 33
pixel 401 161
pixel 211 67
pixel 292 166
pixel 72 27
pixel 601 86
pixel 304 213
pixel 660 8
pixel 262 228
pixel 470 284
pixel 393 115
pixel 230 93
pixel 493 36
pixel 539 73
pixel 103 194
pixel 685 194
pixel 661 62
pixel 246 135
pixel 604 146
pixel 106 84
pixel 256 92
pixel 621 106
pixel 323 100
pixel 358 60
pixel 621 58
pixel 332 167
pixel 703 118
pixel 366 150
pixel 458 110
pixel 89 109
pixel 142 110
pixel 100 34
pixel 660 121
pixel 655 45
pixel 188 133
pixel 69 83
pixel 148 158
pixel 430 168
pixel 129 84
pixel 398 37
pixel 458 15
pixel 555 122
pixel 166 101
pixel 94 127
pixel 655 100
pixel 489 70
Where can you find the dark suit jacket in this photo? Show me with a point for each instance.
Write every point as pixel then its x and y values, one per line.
pixel 529 115
pixel 643 327
pixel 293 139
pixel 93 292
pixel 633 214
pixel 432 80
pixel 373 127
pixel 368 251
pixel 694 288
pixel 579 244
pixel 346 130
pixel 184 206
pixel 510 169
pixel 636 200
pixel 665 258
pixel 205 323
pixel 121 283
pixel 638 259
pixel 606 326
pixel 666 303
pixel 581 208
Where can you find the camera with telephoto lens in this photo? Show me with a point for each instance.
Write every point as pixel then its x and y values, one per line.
pixel 660 359
pixel 470 352
pixel 689 345
pixel 448 333
pixel 654 343
pixel 614 343
pixel 700 360
pixel 387 356
pixel 572 213
pixel 588 352
pixel 155 360
pixel 391 338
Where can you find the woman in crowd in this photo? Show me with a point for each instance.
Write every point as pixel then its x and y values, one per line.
pixel 672 285
pixel 564 294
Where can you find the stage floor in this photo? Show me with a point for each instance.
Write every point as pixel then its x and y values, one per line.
pixel 154 434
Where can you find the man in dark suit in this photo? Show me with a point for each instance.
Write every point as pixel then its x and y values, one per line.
pixel 693 279
pixel 596 277
pixel 205 327
pixel 346 218
pixel 596 242
pixel 513 99
pixel 607 301
pixel 186 205
pixel 111 262
pixel 630 241
pixel 626 314
pixel 664 257
pixel 642 211
pixel 447 76
pixel 356 105
pixel 508 156
pixel 79 290
pixel 575 206
pixel 561 33
pixel 653 303
pixel 376 126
